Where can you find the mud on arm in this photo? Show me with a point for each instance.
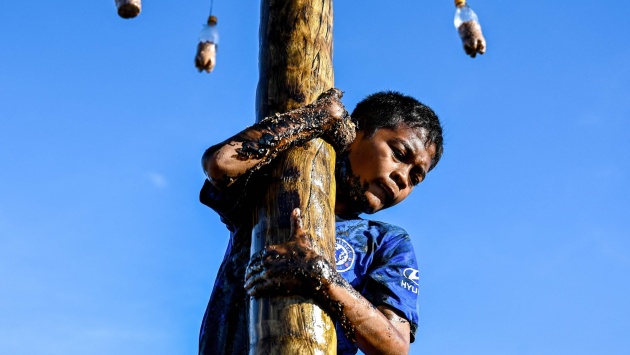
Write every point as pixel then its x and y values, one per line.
pixel 295 268
pixel 257 145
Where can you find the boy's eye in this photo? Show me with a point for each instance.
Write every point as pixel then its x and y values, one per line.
pixel 416 176
pixel 398 154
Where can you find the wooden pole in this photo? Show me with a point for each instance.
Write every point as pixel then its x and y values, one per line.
pixel 295 67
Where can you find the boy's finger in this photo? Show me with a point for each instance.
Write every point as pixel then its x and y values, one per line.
pixel 296 221
pixel 333 92
pixel 265 282
pixel 264 288
pixel 272 288
pixel 337 92
pixel 254 278
pixel 258 277
pixel 256 260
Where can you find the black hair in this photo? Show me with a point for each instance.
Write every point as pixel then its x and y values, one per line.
pixel 389 109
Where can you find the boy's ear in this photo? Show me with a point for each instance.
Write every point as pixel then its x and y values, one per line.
pixel 357 126
pixel 360 135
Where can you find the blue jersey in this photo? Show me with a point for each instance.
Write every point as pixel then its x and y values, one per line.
pixel 376 258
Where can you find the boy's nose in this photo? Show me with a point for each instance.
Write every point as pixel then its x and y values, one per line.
pixel 401 178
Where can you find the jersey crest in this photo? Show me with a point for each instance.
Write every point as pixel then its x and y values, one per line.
pixel 344 255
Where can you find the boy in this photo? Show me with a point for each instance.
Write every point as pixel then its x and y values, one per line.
pixel 388 146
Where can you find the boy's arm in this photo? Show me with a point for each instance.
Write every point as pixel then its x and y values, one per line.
pixel 376 330
pixel 295 268
pixel 257 145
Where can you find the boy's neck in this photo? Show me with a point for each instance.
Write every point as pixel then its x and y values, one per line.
pixel 343 209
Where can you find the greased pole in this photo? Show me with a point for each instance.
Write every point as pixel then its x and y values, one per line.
pixel 295 61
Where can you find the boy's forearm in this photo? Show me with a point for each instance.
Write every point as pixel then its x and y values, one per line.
pixel 376 331
pixel 257 145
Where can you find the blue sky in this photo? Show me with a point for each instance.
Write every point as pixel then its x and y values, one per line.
pixel 522 231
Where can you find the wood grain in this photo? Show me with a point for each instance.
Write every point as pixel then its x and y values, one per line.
pixel 295 67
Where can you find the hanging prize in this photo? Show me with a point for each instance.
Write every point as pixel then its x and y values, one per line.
pixel 467 25
pixel 206 57
pixel 128 8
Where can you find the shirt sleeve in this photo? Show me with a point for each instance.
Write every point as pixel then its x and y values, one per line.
pixel 393 279
pixel 225 202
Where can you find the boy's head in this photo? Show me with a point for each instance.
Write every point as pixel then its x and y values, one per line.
pixel 399 140
pixel 388 109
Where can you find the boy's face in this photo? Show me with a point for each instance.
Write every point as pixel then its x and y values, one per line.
pixel 381 170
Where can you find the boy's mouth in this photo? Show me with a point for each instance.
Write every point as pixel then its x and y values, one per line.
pixel 388 194
pixel 350 189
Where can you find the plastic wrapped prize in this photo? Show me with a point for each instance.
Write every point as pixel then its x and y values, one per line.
pixel 128 8
pixel 467 25
pixel 206 57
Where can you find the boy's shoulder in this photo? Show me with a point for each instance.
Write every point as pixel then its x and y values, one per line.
pixel 376 231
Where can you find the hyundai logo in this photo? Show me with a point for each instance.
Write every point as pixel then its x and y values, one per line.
pixel 412 275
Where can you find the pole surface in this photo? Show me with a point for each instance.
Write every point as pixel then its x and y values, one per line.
pixel 295 67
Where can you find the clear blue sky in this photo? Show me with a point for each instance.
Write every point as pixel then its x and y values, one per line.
pixel 522 231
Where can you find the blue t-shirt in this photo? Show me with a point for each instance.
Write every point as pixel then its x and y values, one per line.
pixel 376 258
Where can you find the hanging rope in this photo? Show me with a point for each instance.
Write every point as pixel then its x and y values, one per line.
pixel 211 5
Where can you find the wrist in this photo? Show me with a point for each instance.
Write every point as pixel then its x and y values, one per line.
pixel 327 280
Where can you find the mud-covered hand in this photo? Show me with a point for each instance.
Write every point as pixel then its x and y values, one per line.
pixel 326 117
pixel 339 130
pixel 291 268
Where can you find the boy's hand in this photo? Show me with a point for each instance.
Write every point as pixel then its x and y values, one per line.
pixel 339 130
pixel 291 268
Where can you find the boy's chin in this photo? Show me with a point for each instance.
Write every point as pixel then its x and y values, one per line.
pixel 363 203
pixel 373 204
